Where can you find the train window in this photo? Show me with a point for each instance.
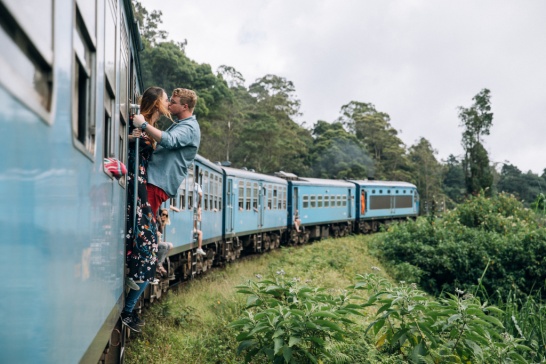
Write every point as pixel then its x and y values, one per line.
pixel 182 195
pixel 269 197
pixel 380 191
pixel 397 191
pixel 275 197
pixel 344 201
pixel 388 191
pixel 241 194
pixel 313 201
pixel 319 201
pixel 284 198
pixel 83 120
pixel 404 191
pixel 27 53
pixel 248 195
pixel 332 200
pixel 338 200
pixel 206 190
pixel 109 127
pixel 305 200
pixel 110 45
pixel 172 201
pixel 373 191
pixel 326 201
pixel 191 187
pixel 122 147
pixel 255 196
pixel 220 191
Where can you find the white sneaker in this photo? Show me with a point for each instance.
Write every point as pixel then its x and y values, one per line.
pixel 200 251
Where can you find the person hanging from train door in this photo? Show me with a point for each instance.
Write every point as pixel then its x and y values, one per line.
pixel 163 247
pixel 197 198
pixel 362 203
pixel 141 233
pixel 176 149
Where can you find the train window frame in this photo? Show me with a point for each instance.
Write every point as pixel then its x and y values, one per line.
pixel 182 195
pixel 338 200
pixel 255 195
pixel 326 201
pixel 248 197
pixel 191 184
pixel 241 195
pixel 319 201
pixel 332 200
pixel 206 191
pixel 305 202
pixel 109 144
pixel 373 191
pixel 25 53
pixel 83 86
pixel 344 200
pixel 220 193
pixel 312 201
pixel 284 198
pixel 269 197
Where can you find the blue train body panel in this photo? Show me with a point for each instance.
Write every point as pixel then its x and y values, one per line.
pixel 386 199
pixel 321 201
pixel 254 202
pixel 61 215
pixel 182 207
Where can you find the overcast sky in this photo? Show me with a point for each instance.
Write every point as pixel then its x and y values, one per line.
pixel 416 60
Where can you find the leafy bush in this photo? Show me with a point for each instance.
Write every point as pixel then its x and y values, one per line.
pixel 455 329
pixel 453 251
pixel 290 322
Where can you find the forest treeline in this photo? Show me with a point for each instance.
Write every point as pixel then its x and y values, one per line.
pixel 256 127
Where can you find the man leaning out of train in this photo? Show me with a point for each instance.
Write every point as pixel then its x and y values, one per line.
pixel 176 148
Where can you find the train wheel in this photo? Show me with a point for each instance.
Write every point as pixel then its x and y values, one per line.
pixel 266 243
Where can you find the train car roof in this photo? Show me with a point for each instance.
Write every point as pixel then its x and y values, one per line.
pixel 241 173
pixel 322 182
pixel 375 183
pixel 208 163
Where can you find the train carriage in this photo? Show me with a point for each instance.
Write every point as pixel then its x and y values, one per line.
pixel 182 210
pixel 255 209
pixel 324 206
pixel 68 73
pixel 384 201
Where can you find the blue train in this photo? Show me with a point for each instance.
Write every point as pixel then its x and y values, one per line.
pixel 66 87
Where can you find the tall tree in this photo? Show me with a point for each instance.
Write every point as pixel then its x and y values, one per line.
pixel 271 139
pixel 476 121
pixel 454 181
pixel 337 153
pixel 373 128
pixel 427 172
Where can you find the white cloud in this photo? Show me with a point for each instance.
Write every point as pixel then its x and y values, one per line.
pixel 415 60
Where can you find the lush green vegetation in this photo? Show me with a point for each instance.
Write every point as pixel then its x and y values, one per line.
pixel 330 303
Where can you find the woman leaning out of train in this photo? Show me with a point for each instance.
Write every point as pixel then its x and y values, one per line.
pixel 141 239
pixel 163 246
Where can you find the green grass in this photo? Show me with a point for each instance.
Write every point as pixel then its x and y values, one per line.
pixel 189 325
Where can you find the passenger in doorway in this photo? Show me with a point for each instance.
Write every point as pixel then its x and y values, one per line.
pixel 163 246
pixel 176 149
pixel 297 221
pixel 197 197
pixel 141 239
